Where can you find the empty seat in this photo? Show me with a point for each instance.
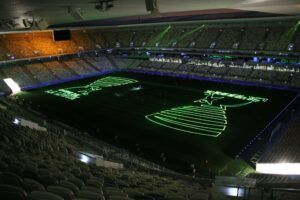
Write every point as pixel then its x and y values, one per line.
pixel 11 192
pixel 16 169
pixel 11 179
pixel 94 182
pixel 100 180
pixel 132 193
pixel 69 185
pixel 79 199
pixel 59 176
pixel 79 183
pixel 31 172
pixel 66 193
pixel 48 180
pixel 40 195
pixel 89 195
pixel 84 176
pixel 141 197
pixel 44 172
pixel 31 185
pixel 199 196
pixel 119 198
pixel 109 181
pixel 76 171
pixel 175 198
pixel 67 174
pixel 3 166
pixel 109 184
pixel 91 188
pixel 116 193
pixel 111 189
pixel 11 196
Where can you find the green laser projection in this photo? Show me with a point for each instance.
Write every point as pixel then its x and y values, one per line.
pixel 159 37
pixel 73 93
pixel 207 117
pixel 187 34
pixel 289 35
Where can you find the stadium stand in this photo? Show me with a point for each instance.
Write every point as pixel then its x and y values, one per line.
pixel 77 68
pixel 18 45
pixel 35 44
pixel 57 70
pixel 38 165
pixel 208 37
pixel 82 39
pixel 52 71
pixel 43 43
pixel 39 72
pixel 261 36
pixel 42 165
pixel 230 36
pixel 18 74
pixel 286 148
pixel 124 38
pixel 97 38
pixel 252 37
pixel 244 72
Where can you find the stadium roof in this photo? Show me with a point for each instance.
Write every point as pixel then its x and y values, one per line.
pixel 54 12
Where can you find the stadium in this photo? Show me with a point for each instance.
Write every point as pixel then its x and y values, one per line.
pixel 150 100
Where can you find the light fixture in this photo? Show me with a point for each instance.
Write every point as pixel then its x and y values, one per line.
pixel 104 5
pixel 278 168
pixel 84 159
pixel 15 88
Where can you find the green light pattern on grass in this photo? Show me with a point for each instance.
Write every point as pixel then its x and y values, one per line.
pixel 203 118
pixel 73 93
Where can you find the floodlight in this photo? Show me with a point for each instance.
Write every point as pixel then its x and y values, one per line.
pixel 15 88
pixel 278 168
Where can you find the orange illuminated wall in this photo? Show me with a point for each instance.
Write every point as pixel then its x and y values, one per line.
pixel 34 44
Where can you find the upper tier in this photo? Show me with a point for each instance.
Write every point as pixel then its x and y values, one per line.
pixel 267 36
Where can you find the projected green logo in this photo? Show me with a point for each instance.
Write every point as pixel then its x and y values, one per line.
pixel 73 93
pixel 206 117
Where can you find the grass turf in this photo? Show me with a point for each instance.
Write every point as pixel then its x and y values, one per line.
pixel 117 115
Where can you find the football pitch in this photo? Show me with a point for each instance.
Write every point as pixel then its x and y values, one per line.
pixel 187 121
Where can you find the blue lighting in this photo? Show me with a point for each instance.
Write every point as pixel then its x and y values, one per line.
pixel 186 57
pixel 16 121
pixel 255 59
